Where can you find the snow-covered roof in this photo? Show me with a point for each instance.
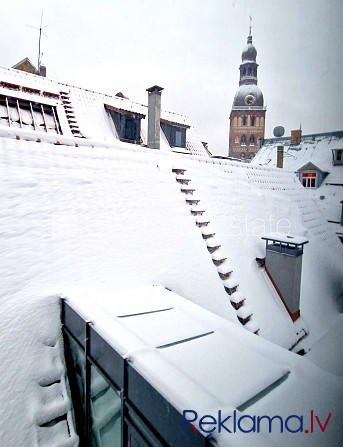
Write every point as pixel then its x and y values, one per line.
pixel 88 108
pixel 316 149
pixel 80 213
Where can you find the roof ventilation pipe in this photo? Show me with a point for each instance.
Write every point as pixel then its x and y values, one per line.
pixel 154 116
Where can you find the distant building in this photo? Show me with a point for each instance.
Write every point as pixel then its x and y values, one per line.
pixel 317 160
pixel 27 65
pixel 247 118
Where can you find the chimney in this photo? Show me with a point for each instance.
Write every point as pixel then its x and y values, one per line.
pixel 279 160
pixel 154 115
pixel 296 136
pixel 42 71
pixel 283 266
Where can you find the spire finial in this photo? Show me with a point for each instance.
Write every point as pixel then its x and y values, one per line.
pixel 250 25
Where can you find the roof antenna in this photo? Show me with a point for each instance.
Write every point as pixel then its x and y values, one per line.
pixel 40 55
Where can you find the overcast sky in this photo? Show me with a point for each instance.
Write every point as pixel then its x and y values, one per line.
pixel 193 49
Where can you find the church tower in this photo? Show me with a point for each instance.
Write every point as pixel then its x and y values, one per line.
pixel 247 118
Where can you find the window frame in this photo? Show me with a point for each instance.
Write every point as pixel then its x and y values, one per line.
pixel 144 411
pixel 170 129
pixel 15 106
pixel 127 124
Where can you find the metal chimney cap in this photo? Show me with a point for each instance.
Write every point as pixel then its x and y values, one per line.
pixel 154 89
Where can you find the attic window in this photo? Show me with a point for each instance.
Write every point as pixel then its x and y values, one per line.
pixel 19 113
pixel 128 124
pixel 309 179
pixel 338 157
pixel 175 134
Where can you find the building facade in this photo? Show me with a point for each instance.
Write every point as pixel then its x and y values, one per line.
pixel 247 117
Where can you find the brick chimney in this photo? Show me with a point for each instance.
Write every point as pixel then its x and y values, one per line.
pixel 154 116
pixel 279 160
pixel 296 136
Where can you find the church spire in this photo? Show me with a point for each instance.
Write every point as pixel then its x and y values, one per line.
pixel 249 40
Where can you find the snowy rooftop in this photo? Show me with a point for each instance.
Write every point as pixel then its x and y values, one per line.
pixel 88 108
pixel 318 150
pixel 98 213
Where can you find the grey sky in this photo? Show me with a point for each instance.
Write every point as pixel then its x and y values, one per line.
pixel 192 48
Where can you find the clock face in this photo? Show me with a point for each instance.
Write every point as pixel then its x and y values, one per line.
pixel 249 100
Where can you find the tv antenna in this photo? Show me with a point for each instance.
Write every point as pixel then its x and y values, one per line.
pixel 40 29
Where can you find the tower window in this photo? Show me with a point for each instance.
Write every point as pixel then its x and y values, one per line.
pixel 252 139
pixel 249 71
pixel 244 120
pixel 236 140
pixel 244 72
pixel 243 140
pixel 253 121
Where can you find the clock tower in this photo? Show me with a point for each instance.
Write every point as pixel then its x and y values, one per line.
pixel 247 117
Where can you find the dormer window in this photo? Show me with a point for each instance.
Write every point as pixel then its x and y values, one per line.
pixel 127 124
pixel 20 113
pixel 175 133
pixel 309 179
pixel 337 156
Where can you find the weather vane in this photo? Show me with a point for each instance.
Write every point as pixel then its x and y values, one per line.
pixel 40 55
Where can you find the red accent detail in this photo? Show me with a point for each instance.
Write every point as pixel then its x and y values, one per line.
pixel 196 431
pixel 17 138
pixel 295 315
pixel 326 422
pixel 309 175
pixel 306 431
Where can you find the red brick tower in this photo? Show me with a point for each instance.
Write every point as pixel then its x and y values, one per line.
pixel 247 117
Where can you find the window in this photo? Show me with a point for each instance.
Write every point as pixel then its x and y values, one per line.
pixel 175 134
pixel 309 179
pixel 244 120
pixel 243 140
pixel 249 71
pixel 113 405
pixel 244 72
pixel 128 124
pixel 252 121
pixel 23 114
pixel 338 156
pixel 252 140
pixel 104 403
pixel 236 140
